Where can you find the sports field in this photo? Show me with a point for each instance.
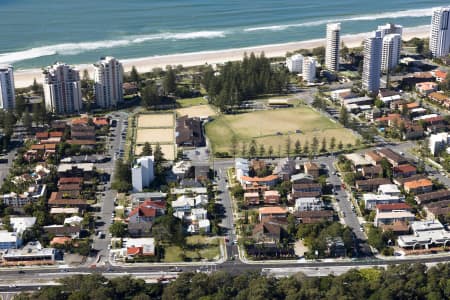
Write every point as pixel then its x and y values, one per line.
pixel 199 111
pixel 156 128
pixel 155 120
pixel 271 128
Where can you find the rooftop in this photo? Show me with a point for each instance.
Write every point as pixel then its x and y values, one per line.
pixel 272 210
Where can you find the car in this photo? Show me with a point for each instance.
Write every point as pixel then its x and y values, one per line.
pixel 175 269
pixel 21 272
pixel 361 229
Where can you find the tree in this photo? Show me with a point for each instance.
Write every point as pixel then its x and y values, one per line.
pixel 118 229
pixel 134 75
pixel 306 147
pixel 244 149
pixel 340 145
pixel 332 143
pixel 158 154
pixel 288 145
pixel 27 121
pixel 20 106
pixel 252 149
pixel 233 145
pixel 150 96
pixel 343 116
pixel 262 150
pixel 315 145
pixel 170 81
pixel 297 147
pixel 323 148
pixel 147 149
pixel 270 151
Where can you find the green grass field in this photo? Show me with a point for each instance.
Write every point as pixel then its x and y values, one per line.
pixel 271 128
pixel 191 101
pixel 199 248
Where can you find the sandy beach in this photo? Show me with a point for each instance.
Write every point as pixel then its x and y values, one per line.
pixel 25 78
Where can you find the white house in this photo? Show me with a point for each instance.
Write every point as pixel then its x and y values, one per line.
pixel 308 203
pixel 372 200
pixel 142 173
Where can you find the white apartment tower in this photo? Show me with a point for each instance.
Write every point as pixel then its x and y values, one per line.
pixel 142 173
pixel 392 44
pixel 372 63
pixel 62 90
pixel 309 69
pixel 295 63
pixel 108 78
pixel 332 46
pixel 391 51
pixel 7 95
pixel 440 32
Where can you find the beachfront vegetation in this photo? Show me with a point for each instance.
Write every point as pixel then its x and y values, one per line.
pixel 240 133
pixel 406 281
pixel 243 80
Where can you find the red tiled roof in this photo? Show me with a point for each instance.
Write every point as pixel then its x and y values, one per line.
pixel 389 117
pixel 260 179
pixel 100 121
pixel 154 204
pixel 134 250
pixel 418 183
pixel 80 121
pixel 61 240
pixel 65 180
pixel 42 135
pixel 144 211
pixel 407 168
pixel 56 134
pixel 393 206
pixel 440 74
pixel 81 142
pixel 272 210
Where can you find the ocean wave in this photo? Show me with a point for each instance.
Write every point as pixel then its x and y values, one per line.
pixel 77 48
pixel 412 13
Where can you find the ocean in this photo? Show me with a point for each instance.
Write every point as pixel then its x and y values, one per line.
pixel 37 33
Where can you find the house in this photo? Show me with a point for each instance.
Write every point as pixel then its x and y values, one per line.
pixel 83 170
pixel 64 211
pixel 137 198
pixel 100 121
pixel 420 186
pixel 29 255
pixel 389 189
pixel 373 157
pixel 400 181
pixel 272 212
pixel 314 216
pixel 372 171
pixel 185 203
pixel 397 227
pixel 392 157
pixel 189 132
pixel 417 77
pixel 302 178
pixel 439 98
pixel 433 196
pixel 60 199
pixel 299 190
pixel 310 203
pixel 437 209
pixel 405 170
pixel 268 232
pixel 372 200
pixel 129 88
pixel 20 224
pixel 335 247
pixel 370 185
pixel 312 169
pixel 201 171
pixel 9 240
pixel 60 240
pixel 270 180
pixel 390 213
pixel 73 221
pixel 440 75
pixel 413 132
pixel 139 246
pixel 63 230
pixel 242 168
pixel 271 197
pixel 426 88
pixel 33 193
pixel 181 168
pixel 426 234
pixel 357 160
pixel 251 198
pixel 141 218
pixel 285 168
pixel 82 132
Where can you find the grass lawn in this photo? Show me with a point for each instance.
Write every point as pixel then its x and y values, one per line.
pixel 199 248
pixel 192 101
pixel 271 128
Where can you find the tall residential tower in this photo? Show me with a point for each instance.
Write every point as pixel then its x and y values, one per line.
pixel 7 95
pixel 372 63
pixel 108 78
pixel 440 32
pixel 332 47
pixel 392 44
pixel 62 90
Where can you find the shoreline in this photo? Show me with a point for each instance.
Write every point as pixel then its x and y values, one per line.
pixel 24 78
